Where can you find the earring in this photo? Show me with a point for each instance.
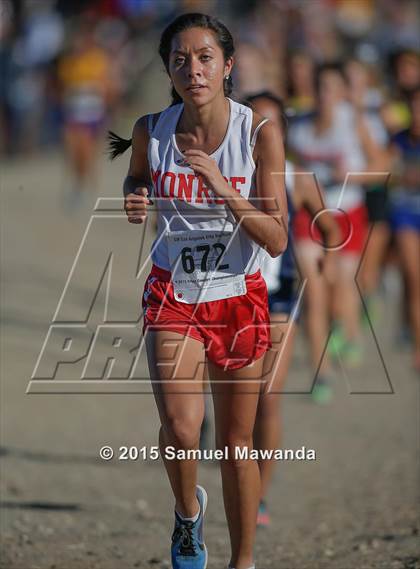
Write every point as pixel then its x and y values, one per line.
pixel 227 77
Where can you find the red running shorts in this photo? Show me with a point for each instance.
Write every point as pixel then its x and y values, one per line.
pixel 353 225
pixel 235 331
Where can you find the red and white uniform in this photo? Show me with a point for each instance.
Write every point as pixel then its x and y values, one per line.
pixel 337 149
pixel 205 281
pixel 191 205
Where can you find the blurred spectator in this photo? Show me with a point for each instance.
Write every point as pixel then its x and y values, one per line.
pixel 301 87
pixel 364 86
pixel 405 67
pixel 405 214
pixel 249 72
pixel 88 90
pixel 266 31
pixel 332 143
pixel 397 26
pixel 26 53
pixel 407 71
pixel 367 98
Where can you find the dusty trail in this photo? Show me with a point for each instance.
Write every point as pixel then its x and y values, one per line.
pixel 64 508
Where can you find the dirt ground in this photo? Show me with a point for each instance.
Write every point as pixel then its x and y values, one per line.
pixel 62 507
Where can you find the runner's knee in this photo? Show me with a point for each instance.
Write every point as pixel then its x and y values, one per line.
pixel 182 432
pixel 234 441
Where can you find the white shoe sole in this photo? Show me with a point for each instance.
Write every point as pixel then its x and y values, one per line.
pixel 205 500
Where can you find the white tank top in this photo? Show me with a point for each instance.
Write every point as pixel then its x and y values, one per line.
pixel 189 204
pixel 323 153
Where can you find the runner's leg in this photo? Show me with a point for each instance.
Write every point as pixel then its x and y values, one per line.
pixel 267 432
pixel 346 296
pixel 177 380
pixel 309 256
pixel 235 407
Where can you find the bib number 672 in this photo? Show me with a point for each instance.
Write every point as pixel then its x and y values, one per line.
pixel 188 262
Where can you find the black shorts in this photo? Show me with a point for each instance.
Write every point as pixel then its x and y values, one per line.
pixel 377 204
pixel 283 301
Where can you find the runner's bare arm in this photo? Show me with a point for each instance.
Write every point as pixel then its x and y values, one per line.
pixel 265 222
pixel 138 171
pixel 138 176
pixel 271 188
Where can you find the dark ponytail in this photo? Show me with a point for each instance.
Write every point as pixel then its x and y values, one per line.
pixel 117 145
pixel 197 20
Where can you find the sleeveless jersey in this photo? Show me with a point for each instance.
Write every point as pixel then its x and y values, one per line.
pixel 339 147
pixel 184 202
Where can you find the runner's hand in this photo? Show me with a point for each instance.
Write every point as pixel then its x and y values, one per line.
pixel 135 205
pixel 208 169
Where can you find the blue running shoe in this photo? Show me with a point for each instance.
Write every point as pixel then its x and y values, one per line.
pixel 188 548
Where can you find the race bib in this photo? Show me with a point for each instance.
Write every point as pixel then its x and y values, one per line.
pixel 206 265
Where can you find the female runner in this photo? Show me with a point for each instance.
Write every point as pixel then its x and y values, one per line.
pixel 334 143
pixel 219 205
pixel 405 214
pixel 88 93
pixel 281 276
